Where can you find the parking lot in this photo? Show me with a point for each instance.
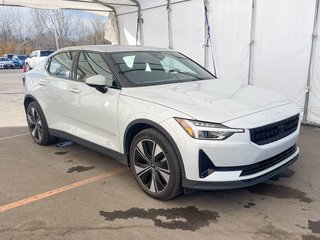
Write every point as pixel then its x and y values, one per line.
pixel 76 193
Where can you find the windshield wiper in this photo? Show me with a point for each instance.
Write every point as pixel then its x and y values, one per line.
pixel 185 73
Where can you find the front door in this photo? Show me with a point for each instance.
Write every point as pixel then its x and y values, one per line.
pixel 93 113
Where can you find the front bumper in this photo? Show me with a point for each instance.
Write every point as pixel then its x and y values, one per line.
pixel 240 183
pixel 234 160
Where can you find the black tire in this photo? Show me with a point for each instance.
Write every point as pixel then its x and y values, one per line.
pixel 37 124
pixel 28 68
pixel 157 171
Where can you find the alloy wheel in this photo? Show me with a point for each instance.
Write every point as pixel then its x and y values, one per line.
pixel 35 124
pixel 151 166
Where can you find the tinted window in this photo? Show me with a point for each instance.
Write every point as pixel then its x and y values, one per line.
pixel 60 64
pixel 91 64
pixel 152 68
pixel 45 53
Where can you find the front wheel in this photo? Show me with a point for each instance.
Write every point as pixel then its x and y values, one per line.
pixel 155 165
pixel 38 125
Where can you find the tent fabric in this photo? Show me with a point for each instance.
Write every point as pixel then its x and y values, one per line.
pixel 282 46
pixel 281 31
pixel 230 33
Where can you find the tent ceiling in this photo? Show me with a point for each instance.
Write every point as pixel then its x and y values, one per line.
pixel 102 7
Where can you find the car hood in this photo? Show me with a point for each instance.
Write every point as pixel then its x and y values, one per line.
pixel 209 100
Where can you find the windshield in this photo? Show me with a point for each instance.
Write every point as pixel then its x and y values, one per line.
pixel 152 68
pixel 45 53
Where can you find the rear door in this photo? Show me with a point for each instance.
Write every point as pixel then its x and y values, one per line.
pixel 93 113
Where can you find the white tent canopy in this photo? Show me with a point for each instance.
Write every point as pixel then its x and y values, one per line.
pixel 267 43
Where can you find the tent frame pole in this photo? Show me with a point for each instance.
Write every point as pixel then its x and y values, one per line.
pixel 311 60
pixel 252 41
pixel 169 10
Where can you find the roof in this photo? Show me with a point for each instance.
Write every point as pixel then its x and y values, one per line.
pixel 113 48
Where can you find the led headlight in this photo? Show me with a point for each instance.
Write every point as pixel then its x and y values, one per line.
pixel 206 130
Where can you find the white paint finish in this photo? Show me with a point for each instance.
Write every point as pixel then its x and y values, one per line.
pixel 209 100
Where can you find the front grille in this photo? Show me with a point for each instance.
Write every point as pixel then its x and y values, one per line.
pixel 275 131
pixel 260 166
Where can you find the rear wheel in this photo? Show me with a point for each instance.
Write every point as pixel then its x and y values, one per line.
pixel 28 68
pixel 38 125
pixel 155 165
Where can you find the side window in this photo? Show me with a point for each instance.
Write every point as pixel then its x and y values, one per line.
pixel 60 65
pixel 91 64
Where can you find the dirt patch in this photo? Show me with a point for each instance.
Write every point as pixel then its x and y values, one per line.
pixel 79 169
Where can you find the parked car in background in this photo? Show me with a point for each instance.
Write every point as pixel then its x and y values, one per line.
pixel 9 56
pixel 19 60
pixel 35 57
pixel 161 113
pixel 6 63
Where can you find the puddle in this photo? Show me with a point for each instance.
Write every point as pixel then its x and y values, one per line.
pixel 285 174
pixel 61 152
pixel 188 218
pixel 249 205
pixel 279 191
pixel 309 237
pixel 79 169
pixel 314 226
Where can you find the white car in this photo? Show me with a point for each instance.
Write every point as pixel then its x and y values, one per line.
pixel 172 121
pixel 36 57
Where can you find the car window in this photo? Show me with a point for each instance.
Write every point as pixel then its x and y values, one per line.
pixel 60 64
pixel 90 64
pixel 45 53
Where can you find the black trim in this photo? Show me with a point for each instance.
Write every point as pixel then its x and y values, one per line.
pixel 274 131
pixel 189 184
pixel 111 153
pixel 164 132
pixel 251 168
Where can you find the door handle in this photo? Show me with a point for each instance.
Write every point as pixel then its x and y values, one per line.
pixel 75 90
pixel 43 83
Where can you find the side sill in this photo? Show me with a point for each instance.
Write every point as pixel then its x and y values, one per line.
pixel 113 154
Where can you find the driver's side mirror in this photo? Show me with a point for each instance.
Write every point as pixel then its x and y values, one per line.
pixel 97 81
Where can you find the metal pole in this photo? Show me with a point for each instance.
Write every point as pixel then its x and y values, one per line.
pixel 252 42
pixel 311 60
pixel 169 24
pixel 205 45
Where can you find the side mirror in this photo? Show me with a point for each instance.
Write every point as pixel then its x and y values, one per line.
pixel 97 81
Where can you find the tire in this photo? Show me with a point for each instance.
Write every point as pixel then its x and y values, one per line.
pixel 155 165
pixel 28 68
pixel 37 124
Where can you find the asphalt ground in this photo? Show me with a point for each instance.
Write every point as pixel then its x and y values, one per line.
pixel 76 193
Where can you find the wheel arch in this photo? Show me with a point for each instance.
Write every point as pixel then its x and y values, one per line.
pixel 28 99
pixel 137 126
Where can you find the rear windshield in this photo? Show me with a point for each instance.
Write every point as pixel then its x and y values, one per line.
pixel 147 68
pixel 45 53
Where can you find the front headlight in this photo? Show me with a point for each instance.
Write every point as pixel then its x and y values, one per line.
pixel 206 130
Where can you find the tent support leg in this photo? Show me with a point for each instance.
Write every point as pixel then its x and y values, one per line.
pixel 311 61
pixel 252 41
pixel 169 24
